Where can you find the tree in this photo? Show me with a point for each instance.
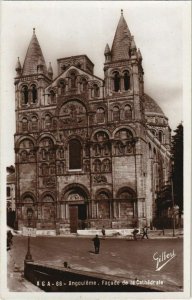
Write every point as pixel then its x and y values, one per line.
pixel 177 171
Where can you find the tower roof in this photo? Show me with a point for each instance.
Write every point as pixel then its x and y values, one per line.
pixel 122 40
pixel 34 54
pixel 151 106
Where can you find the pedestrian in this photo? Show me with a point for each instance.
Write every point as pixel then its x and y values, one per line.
pixel 103 231
pixel 9 239
pixel 145 230
pixel 96 242
pixel 135 232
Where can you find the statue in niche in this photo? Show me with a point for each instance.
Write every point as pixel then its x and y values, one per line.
pixel 44 155
pixel 86 150
pixel 120 148
pixel 73 112
pixel 52 169
pixel 106 165
pixel 97 165
pixel 128 147
pixel 86 166
pixel 97 150
pixel 51 154
pixel 24 156
pixel 45 170
pixel 101 136
pixel 32 155
pixel 60 168
pixel 61 153
pixel 106 149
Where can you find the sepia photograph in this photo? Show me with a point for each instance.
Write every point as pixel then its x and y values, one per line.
pixel 94 103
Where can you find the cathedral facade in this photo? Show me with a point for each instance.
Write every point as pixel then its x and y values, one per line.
pixel 88 152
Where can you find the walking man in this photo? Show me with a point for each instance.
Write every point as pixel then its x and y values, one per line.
pixel 145 230
pixel 103 231
pixel 135 232
pixel 96 242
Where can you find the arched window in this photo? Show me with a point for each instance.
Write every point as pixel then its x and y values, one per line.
pixel 126 81
pixel 100 115
pixel 103 205
pixel 116 113
pixel 73 80
pixel 62 87
pixel 161 136
pixel 52 96
pixel 127 112
pixel 126 199
pixel 34 93
pixel 24 124
pixel 96 90
pixel 116 82
pixel 25 92
pixel 48 208
pixel 75 154
pixel 47 122
pixel 84 85
pixel 34 123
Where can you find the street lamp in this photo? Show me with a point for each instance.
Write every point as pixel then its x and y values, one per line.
pixel 28 256
pixel 173 200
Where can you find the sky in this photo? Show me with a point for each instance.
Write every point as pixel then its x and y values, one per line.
pixel 67 28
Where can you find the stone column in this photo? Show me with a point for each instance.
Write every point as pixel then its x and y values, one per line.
pixel 78 85
pixel 67 84
pixel 67 211
pixel 90 96
pixel 122 84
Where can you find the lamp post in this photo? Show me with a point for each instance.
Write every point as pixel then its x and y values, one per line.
pixel 173 199
pixel 28 256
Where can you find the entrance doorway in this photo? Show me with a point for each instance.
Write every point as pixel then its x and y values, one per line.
pixel 78 215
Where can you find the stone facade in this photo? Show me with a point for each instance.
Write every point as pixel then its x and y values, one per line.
pixel 89 152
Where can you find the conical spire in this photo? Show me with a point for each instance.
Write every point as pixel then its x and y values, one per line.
pixel 122 40
pixel 34 54
pixel 107 50
pixel 50 70
pixel 139 55
pixel 18 67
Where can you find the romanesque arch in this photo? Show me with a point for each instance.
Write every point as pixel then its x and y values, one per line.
pixel 103 200
pixel 126 197
pixel 48 207
pixel 75 192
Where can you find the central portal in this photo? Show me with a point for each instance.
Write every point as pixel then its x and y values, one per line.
pixel 78 215
pixel 76 197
